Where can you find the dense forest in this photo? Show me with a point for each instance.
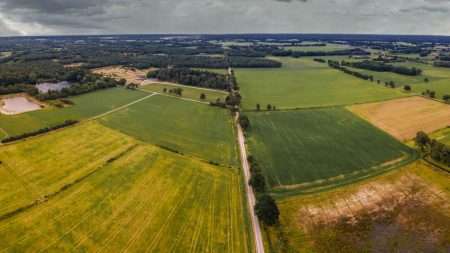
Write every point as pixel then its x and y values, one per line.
pixel 382 67
pixel 191 77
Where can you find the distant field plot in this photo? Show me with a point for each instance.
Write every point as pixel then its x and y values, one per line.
pixel 300 149
pixel 438 78
pixel 403 118
pixel 327 48
pixel 398 211
pixel 97 190
pixel 304 83
pixel 187 127
pixel 84 106
pixel 188 92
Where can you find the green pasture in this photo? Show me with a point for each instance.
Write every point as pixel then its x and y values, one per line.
pixel 188 92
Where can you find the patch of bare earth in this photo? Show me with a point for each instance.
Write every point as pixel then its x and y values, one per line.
pixel 406 215
pixel 131 75
pixel 404 117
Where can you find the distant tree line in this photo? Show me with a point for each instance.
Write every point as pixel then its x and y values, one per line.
pixel 296 54
pixel 382 67
pixel 438 151
pixel 191 77
pixel 443 64
pixel 40 131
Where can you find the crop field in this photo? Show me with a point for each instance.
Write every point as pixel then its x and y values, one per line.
pixel 300 149
pixel 188 92
pixel 84 106
pixel 403 118
pixel 438 78
pixel 183 126
pixel 398 211
pixel 303 83
pixel 92 189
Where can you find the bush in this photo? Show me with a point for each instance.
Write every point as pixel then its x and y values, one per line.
pixel 267 210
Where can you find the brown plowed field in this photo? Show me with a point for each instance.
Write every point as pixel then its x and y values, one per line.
pixel 403 118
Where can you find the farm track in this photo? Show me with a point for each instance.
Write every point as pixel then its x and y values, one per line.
pixel 177 97
pixel 122 107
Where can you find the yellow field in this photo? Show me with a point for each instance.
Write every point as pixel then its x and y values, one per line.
pixel 91 189
pixel 404 117
pixel 386 212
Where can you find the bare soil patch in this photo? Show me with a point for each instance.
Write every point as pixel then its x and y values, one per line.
pixel 17 104
pixel 403 118
pixel 132 75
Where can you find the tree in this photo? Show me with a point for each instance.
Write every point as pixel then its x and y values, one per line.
pixel 203 96
pixel 267 210
pixel 258 107
pixel 269 107
pixel 165 90
pixel 258 182
pixel 422 140
pixel 244 122
pixel 432 94
pixel 122 82
pixel 446 98
pixel 407 88
pixel 426 80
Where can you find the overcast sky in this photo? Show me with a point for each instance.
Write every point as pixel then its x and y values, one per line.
pixel 41 17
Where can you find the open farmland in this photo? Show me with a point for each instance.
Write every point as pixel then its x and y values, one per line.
pixel 403 118
pixel 183 126
pixel 328 48
pixel 92 189
pixel 188 92
pixel 302 83
pixel 402 210
pixel 301 149
pixel 84 106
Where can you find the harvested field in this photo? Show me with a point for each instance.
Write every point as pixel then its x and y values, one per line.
pixel 401 210
pixel 132 75
pixel 403 118
pixel 115 194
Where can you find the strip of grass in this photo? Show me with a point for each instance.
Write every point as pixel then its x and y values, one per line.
pixel 317 147
pixel 111 193
pixel 85 106
pixel 303 83
pixel 188 92
pixel 190 128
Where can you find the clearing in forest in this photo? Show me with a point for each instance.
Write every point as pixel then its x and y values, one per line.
pixel 403 118
pixel 182 126
pixel 303 83
pixel 306 148
pixel 92 189
pixel 131 75
pixel 402 210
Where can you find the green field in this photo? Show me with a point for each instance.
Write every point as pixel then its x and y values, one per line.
pixel 85 106
pixel 304 147
pixel 190 128
pixel 92 189
pixel 304 83
pixel 439 78
pixel 188 92
pixel 328 48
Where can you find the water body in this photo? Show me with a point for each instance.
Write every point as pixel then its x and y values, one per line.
pixel 17 105
pixel 46 87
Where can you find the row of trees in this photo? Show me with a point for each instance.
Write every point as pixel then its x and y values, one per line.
pixel 191 77
pixel 40 131
pixel 438 151
pixel 338 66
pixel 297 54
pixel 382 67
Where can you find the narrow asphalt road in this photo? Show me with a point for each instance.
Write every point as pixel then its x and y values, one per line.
pixel 259 245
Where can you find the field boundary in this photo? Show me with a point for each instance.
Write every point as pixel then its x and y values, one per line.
pixel 177 97
pixel 182 86
pixel 121 107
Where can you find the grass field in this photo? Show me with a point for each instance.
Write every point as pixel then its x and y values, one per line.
pixel 188 92
pixel 403 118
pixel 92 189
pixel 439 78
pixel 191 128
pixel 401 210
pixel 299 149
pixel 304 83
pixel 85 106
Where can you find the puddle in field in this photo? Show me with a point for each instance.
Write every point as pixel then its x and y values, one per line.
pixel 46 87
pixel 17 105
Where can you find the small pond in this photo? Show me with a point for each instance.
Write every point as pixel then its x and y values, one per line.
pixel 17 105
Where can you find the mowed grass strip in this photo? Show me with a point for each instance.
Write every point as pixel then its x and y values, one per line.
pixel 403 118
pixel 85 106
pixel 183 126
pixel 303 83
pixel 308 146
pixel 145 199
pixel 188 92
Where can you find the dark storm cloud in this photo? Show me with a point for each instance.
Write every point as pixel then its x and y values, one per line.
pixel 224 16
